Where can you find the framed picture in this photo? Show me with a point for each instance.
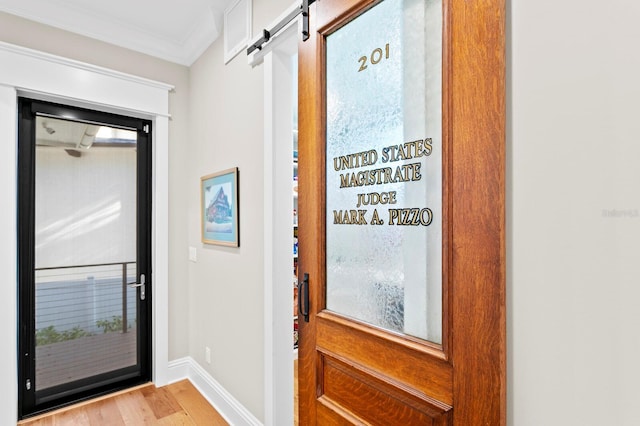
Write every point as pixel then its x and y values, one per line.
pixel 219 208
pixel 237 28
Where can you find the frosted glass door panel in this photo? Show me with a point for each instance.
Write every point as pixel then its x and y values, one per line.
pixel 384 168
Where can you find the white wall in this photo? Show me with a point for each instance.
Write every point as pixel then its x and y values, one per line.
pixel 574 213
pixel 226 284
pixel 8 223
pixel 85 206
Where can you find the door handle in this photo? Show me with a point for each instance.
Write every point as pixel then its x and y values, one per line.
pixel 303 297
pixel 141 284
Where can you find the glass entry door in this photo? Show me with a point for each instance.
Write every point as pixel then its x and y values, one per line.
pixel 84 253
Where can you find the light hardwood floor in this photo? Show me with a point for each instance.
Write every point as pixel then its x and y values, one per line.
pixel 177 404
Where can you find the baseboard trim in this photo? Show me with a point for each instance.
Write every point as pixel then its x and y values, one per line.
pixel 230 408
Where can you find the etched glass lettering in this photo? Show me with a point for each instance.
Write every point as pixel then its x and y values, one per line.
pixel 384 168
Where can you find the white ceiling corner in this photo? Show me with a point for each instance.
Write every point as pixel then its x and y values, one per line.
pixel 175 31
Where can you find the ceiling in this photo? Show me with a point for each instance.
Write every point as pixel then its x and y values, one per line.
pixel 77 135
pixel 175 30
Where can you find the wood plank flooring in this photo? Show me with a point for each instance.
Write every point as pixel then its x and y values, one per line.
pixel 174 405
pixel 177 404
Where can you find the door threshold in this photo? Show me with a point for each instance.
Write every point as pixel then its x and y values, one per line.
pixel 28 420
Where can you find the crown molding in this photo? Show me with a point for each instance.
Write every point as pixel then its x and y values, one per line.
pixel 178 42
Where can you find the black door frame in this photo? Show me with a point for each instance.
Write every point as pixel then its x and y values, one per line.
pixel 31 402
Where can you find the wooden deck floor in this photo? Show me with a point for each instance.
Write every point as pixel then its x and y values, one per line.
pixel 177 404
pixel 70 360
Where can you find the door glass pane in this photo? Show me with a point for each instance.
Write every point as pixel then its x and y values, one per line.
pixel 85 254
pixel 384 168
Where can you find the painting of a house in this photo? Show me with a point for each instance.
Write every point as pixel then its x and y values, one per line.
pixel 220 208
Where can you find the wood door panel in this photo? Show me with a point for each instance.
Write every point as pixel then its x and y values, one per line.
pixel 354 373
pixel 329 413
pixel 402 360
pixel 478 210
pixel 337 12
pixel 376 399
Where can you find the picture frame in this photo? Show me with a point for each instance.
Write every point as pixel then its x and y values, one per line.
pixel 237 28
pixel 219 208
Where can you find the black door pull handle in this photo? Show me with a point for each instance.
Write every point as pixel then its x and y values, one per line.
pixel 303 297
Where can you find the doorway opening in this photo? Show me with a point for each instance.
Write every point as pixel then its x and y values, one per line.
pixel 279 61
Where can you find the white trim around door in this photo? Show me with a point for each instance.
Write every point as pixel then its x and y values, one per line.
pixel 279 79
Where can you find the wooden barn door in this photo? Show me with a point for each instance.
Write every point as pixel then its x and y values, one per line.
pixel 402 213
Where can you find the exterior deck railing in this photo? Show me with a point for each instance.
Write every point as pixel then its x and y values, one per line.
pixel 85 297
